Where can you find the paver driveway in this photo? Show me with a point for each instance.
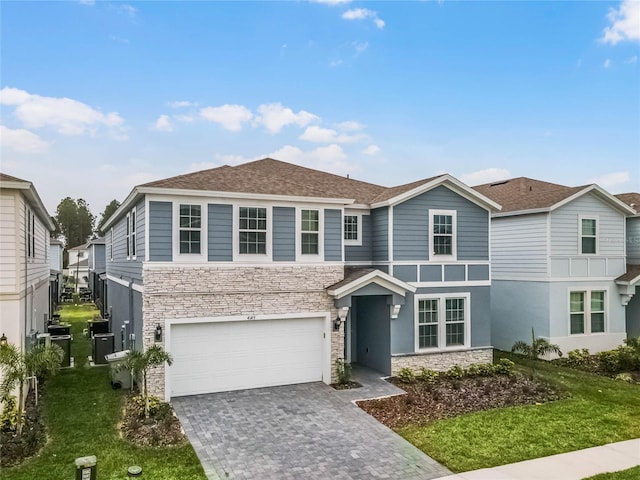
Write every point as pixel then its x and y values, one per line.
pixel 307 431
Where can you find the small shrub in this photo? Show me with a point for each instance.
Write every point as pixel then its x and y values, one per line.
pixel 578 357
pixel 137 405
pixel 625 377
pixel 608 361
pixel 343 371
pixel 503 367
pixel 628 357
pixel 9 416
pixel 480 370
pixel 406 375
pixel 456 372
pixel 428 376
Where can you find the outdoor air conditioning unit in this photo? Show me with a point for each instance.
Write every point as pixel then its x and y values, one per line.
pixel 44 339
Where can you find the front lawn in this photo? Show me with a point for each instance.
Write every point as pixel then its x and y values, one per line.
pixel 82 414
pixel 599 411
pixel 630 474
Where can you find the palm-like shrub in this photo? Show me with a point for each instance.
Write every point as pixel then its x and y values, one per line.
pixel 539 347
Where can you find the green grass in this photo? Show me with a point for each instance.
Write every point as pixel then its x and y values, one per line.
pixel 599 411
pixel 82 412
pixel 630 474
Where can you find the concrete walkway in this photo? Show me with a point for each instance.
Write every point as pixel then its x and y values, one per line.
pixel 565 466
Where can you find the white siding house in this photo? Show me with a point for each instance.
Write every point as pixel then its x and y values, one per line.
pixel 25 226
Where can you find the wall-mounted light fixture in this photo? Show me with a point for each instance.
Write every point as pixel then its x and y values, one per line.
pixel 158 333
pixel 3 340
pixel 342 317
pixel 395 310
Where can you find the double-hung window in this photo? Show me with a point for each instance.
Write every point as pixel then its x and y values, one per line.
pixel 587 312
pixel 190 228
pixel 252 223
pixel 31 244
pixel 132 234
pixel 442 234
pixel 442 321
pixel 111 244
pixel 588 236
pixel 310 232
pixel 351 227
pixel 128 235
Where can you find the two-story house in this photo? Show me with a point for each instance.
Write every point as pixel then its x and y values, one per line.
pixel 630 282
pixel 556 254
pixel 96 259
pixel 24 262
pixel 266 273
pixel 78 266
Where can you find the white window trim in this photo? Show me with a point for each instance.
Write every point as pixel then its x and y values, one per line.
pixel 127 234
pixel 190 257
pixel 300 257
pixel 588 217
pixel 587 310
pixel 442 330
pixel 454 237
pixel 111 245
pixel 133 235
pixel 358 241
pixel 251 257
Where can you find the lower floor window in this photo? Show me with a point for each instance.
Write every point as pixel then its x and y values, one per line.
pixel 587 312
pixel 442 321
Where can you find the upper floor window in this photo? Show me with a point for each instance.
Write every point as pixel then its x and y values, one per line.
pixel 31 245
pixel 127 235
pixel 132 236
pixel 442 235
pixel 442 321
pixel 252 229
pixel 310 230
pixel 587 312
pixel 111 244
pixel 351 227
pixel 190 228
pixel 588 235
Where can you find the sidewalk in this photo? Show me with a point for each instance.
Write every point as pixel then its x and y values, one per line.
pixel 565 466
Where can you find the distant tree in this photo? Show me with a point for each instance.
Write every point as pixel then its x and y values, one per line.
pixel 75 221
pixel 108 211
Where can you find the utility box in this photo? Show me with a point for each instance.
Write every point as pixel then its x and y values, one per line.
pixel 86 468
pixel 60 329
pixel 64 342
pixel 122 378
pixel 103 344
pixel 98 326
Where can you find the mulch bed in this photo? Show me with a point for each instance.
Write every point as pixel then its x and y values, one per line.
pixel 345 386
pixel 14 448
pixel 159 430
pixel 425 403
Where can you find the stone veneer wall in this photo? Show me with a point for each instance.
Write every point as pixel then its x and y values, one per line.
pixel 211 291
pixel 441 360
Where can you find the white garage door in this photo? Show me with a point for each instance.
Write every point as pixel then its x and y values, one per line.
pixel 222 356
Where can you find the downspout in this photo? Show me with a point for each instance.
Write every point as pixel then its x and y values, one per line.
pixel 26 301
pixel 132 336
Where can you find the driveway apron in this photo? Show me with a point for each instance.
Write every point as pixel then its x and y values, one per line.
pixel 306 431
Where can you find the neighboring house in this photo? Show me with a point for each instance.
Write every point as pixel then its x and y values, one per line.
pixel 266 273
pixel 24 261
pixel 97 272
pixel 556 254
pixel 56 281
pixel 630 282
pixel 78 266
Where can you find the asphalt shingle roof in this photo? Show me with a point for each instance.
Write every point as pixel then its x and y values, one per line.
pixel 632 199
pixel 524 193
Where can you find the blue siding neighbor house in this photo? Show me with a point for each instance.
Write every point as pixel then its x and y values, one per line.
pixel 629 283
pixel 266 273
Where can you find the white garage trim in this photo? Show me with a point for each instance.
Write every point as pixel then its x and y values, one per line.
pixel 326 346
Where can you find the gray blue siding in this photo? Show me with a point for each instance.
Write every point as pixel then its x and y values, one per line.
pixel 160 231
pixel 284 234
pixel 220 233
pixel 411 226
pixel 361 253
pixel 633 241
pixel 332 235
pixel 380 234
pixel 125 304
pixel 120 266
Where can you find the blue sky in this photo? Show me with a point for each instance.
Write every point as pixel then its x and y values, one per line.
pixel 98 97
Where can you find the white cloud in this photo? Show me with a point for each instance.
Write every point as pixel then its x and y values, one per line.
pixel 610 180
pixel 632 60
pixel 335 63
pixel 163 124
pixel 21 140
pixel 331 2
pixel 371 150
pixel 607 63
pixel 234 159
pixel 196 167
pixel 128 10
pixel 360 47
pixel 330 158
pixel 182 104
pixel 87 2
pixel 117 39
pixel 184 118
pixel 66 116
pixel 485 176
pixel 363 14
pixel 230 117
pixel 327 135
pixel 349 126
pixel 624 23
pixel 274 117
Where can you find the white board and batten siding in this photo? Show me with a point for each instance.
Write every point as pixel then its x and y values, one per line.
pixel 633 240
pixel 519 246
pixel 566 259
pixel 228 354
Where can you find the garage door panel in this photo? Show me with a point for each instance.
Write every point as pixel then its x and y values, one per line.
pixel 221 356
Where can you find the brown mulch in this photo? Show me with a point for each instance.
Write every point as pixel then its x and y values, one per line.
pixel 345 386
pixel 159 430
pixel 425 403
pixel 14 448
